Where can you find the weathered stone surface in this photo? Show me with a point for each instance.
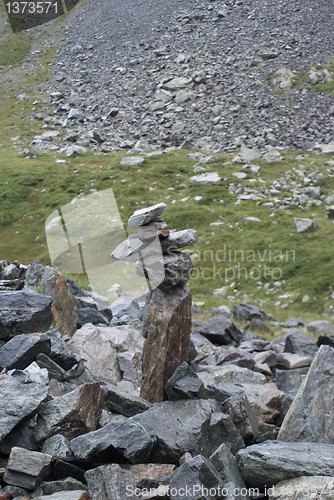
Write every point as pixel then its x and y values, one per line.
pixel 247 312
pixel 64 307
pixel 311 415
pixel 287 360
pixel 122 402
pixel 132 160
pixel 21 351
pixel 288 380
pixel 55 371
pixel 110 482
pixel 206 178
pixel 151 475
pixel 57 446
pixel 299 343
pixel 65 495
pixel 194 426
pixel 226 466
pixel 196 474
pixel 305 225
pixel 268 463
pixel 24 312
pixel 27 469
pixel 178 267
pixel 68 484
pixel 146 215
pixel 98 347
pixel 73 414
pixel 11 272
pixel 153 230
pixel 242 415
pixel 21 394
pixel 167 325
pixel 220 330
pixel 312 487
pixel 185 384
pixel 321 327
pixel 330 212
pixel 179 239
pixel 129 249
pixel 60 352
pixel 127 440
pixel 233 374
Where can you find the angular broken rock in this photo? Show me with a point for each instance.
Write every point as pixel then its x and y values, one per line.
pixel 20 395
pixel 303 487
pixel 24 312
pixel 247 312
pixel 129 249
pixel 311 415
pixel 299 343
pixel 146 215
pixel 66 495
pixel 226 466
pixel 268 463
pixel 122 402
pixel 167 325
pixel 185 384
pixel 178 267
pixel 21 351
pixel 305 225
pixel 27 469
pixel 220 331
pixel 73 414
pixel 152 230
pixel 195 426
pixel 242 415
pixel 194 475
pixel 110 482
pixel 116 441
pixel 179 239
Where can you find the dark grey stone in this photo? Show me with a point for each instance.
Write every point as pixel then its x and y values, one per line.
pixel 299 343
pixel 54 370
pixel 57 446
pixel 311 415
pixel 243 416
pixel 27 469
pixel 226 466
pixel 110 482
pixel 90 315
pixel 288 381
pixel 117 441
pixel 247 312
pixel 21 351
pixel 196 474
pixel 22 396
pixel 185 384
pixel 124 403
pixel 220 331
pixel 268 463
pixel 195 426
pixel 22 435
pixel 68 484
pixel 61 353
pixel 10 272
pixel 24 312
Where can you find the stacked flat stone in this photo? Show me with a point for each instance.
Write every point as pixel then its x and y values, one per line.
pixel 167 317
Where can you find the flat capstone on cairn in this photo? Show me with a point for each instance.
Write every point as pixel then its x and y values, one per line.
pixel 167 316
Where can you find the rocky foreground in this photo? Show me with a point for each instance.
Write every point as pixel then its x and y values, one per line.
pixel 193 74
pixel 241 414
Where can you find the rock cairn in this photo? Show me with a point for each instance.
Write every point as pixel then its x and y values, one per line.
pixel 167 317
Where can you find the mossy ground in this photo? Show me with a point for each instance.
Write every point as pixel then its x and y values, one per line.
pixel 31 188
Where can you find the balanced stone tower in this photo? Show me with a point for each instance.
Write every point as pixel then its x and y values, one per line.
pixel 167 316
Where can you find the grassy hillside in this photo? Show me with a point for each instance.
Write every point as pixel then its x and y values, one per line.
pixel 267 251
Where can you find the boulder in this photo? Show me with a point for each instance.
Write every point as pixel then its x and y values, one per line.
pixel 266 464
pixel 152 230
pixel 24 311
pixel 10 272
pixel 68 484
pixel 195 426
pixel 311 415
pixel 311 487
pixel 21 351
pixel 123 402
pixel 118 441
pixel 98 347
pixel 57 446
pixel 305 225
pixel 167 325
pixel 247 312
pixel 27 469
pixel 330 212
pixel 184 384
pixel 206 178
pixel 299 343
pixel 288 381
pixel 73 414
pixel 321 327
pixel 225 464
pixel 111 482
pixel 220 330
pixel 242 415
pixel 197 475
pixel 178 239
pixel 22 394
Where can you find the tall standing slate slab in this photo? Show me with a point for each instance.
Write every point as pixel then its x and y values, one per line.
pixel 167 326
pixel 311 415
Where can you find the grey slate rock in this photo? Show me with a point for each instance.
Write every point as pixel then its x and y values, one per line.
pixel 185 384
pixel 90 315
pixel 21 351
pixel 146 215
pixel 268 463
pixel 66 495
pixel 288 381
pixel 195 426
pixel 27 469
pixel 23 394
pixel 321 327
pixel 55 371
pixel 10 272
pixel 220 331
pixel 299 343
pixel 24 312
pixel 305 225
pixel 68 484
pixel 243 416
pixel 196 474
pixel 226 466
pixel 22 435
pixel 124 403
pixel 247 312
pixel 323 340
pixel 109 482
pixel 61 353
pixel 178 239
pixel 126 440
pixel 311 415
pixel 57 446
